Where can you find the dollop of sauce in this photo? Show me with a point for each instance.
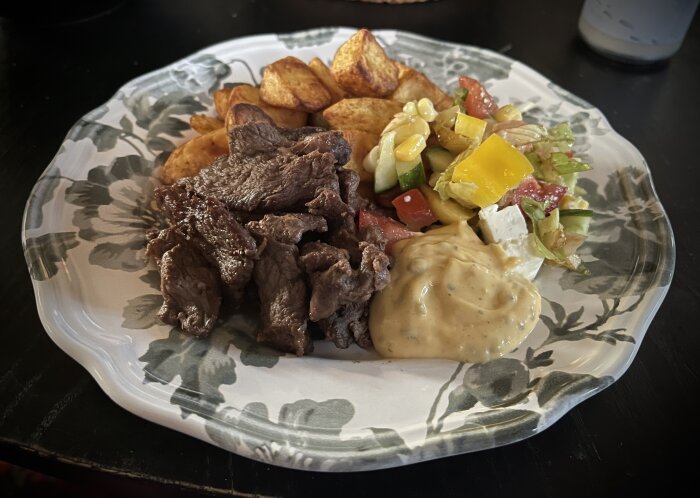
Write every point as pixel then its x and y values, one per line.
pixel 452 296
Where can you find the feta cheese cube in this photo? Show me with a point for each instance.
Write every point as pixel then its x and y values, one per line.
pixel 523 248
pixel 497 226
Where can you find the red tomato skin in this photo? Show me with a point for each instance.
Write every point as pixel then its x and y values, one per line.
pixel 539 191
pixel 479 102
pixel 413 209
pixel 393 230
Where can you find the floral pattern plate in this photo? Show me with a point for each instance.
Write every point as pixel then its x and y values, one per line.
pixel 336 410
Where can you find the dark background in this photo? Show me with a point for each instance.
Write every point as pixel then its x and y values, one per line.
pixel 58 62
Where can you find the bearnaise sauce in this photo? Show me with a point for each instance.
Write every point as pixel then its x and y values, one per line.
pixel 452 296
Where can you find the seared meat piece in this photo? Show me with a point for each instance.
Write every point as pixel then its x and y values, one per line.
pixel 264 174
pixel 328 203
pixel 340 284
pixel 280 281
pixel 287 228
pixel 190 286
pixel 347 325
pixel 318 256
pixel 161 241
pixel 214 231
pixel 246 113
pixel 327 142
pixel 349 239
pixel 296 134
pixel 349 180
pixel 372 234
pixel 283 299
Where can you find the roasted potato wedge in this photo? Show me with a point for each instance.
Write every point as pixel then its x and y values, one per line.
pixel 291 84
pixel 403 69
pixel 361 143
pixel 282 117
pixel 365 114
pixel 361 67
pixel 414 85
pixel 190 157
pixel 221 101
pixel 204 124
pixel 323 73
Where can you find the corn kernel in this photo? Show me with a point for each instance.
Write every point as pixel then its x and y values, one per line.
pixel 410 108
pixel 426 110
pixel 508 112
pixel 416 126
pixel 410 148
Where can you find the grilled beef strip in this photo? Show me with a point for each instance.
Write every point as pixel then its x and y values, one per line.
pixel 214 231
pixel 268 172
pixel 340 284
pixel 281 285
pixel 190 285
pixel 347 325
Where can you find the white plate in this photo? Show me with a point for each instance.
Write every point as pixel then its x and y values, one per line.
pixel 337 410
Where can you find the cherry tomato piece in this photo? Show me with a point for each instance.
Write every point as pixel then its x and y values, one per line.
pixel 392 229
pixel 413 209
pixel 479 102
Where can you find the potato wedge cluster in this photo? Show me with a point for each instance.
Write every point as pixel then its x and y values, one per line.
pixel 358 94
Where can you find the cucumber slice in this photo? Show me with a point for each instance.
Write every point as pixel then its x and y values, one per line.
pixel 576 220
pixel 410 174
pixel 385 175
pixel 576 212
pixel 439 158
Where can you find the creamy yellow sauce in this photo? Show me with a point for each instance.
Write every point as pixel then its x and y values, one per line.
pixel 452 296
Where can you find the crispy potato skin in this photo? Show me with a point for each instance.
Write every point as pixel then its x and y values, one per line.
pixel 221 101
pixel 285 118
pixel 361 142
pixel 291 84
pixel 365 114
pixel 189 158
pixel 204 124
pixel 414 85
pixel 323 73
pixel 362 68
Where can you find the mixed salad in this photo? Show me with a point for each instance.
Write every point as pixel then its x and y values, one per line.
pixel 514 181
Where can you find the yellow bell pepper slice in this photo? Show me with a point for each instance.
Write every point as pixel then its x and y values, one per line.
pixel 470 127
pixel 492 169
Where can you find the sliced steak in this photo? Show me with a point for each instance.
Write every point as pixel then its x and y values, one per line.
pixel 296 134
pixel 243 113
pixel 283 299
pixel 190 285
pixel 268 172
pixel 339 284
pixel 318 256
pixel 347 325
pixel 281 284
pixel 214 231
pixel 287 228
pixel 330 204
pixel 349 238
pixel 349 180
pixel 326 142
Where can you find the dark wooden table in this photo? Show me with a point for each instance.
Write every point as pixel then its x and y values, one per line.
pixel 55 65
